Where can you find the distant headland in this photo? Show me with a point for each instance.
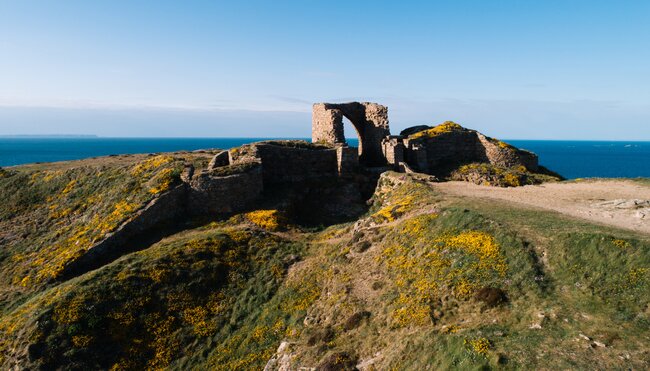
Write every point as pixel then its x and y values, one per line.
pixel 47 136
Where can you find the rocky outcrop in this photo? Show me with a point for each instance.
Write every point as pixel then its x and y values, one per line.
pixel 441 149
pixel 413 129
pixel 220 159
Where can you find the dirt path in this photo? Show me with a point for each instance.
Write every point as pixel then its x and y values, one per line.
pixel 620 203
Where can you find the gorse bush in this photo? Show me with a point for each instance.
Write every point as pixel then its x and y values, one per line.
pixel 271 220
pixel 445 127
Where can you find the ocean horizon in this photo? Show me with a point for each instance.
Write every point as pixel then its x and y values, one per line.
pixel 570 158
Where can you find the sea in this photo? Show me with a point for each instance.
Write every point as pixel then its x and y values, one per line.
pixel 571 159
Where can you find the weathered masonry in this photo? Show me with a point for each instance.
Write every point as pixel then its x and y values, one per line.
pixel 432 150
pixel 370 120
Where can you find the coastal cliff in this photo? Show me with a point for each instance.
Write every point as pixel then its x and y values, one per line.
pixel 268 256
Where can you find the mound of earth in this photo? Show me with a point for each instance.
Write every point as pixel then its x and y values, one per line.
pixel 425 279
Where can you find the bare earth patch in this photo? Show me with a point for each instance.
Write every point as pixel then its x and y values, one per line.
pixel 620 203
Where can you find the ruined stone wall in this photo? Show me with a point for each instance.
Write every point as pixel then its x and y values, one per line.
pixel 450 150
pixel 289 163
pixel 501 154
pixel 444 152
pixel 393 149
pixel 347 159
pixel 369 119
pixel 213 194
pixel 327 124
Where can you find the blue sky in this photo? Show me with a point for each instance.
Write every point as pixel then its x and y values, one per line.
pixel 565 69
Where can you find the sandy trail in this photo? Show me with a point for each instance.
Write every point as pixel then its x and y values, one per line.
pixel 620 203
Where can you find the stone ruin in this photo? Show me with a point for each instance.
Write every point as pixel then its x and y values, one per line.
pixel 326 175
pixel 419 148
pixel 370 120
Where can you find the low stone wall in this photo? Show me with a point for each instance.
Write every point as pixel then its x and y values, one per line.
pixel 393 148
pixel 213 195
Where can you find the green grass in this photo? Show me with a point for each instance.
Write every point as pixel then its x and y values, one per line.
pixel 173 302
pixel 223 296
pixel 51 216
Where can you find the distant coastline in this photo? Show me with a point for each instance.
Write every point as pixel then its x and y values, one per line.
pixel 50 136
pixel 571 158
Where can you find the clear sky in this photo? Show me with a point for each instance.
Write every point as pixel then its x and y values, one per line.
pixel 565 69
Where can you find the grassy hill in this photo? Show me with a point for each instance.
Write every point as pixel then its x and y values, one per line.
pixel 423 280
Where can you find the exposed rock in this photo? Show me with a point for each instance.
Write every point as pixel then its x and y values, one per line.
pixel 624 204
pixel 413 129
pixel 585 337
pixel 639 208
pixel 369 364
pixel 537 325
pixel 494 175
pixel 281 361
pixel 215 194
pixel 337 362
pixel 220 159
pixel 440 149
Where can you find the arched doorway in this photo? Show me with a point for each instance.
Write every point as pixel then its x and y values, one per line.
pixel 369 120
pixel 351 134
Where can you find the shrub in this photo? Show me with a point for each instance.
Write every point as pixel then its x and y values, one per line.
pixel 491 296
pixel 355 319
pixel 271 220
pixel 444 128
pixel 479 346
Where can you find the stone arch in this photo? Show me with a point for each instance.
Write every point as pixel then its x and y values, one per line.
pixel 351 131
pixel 369 119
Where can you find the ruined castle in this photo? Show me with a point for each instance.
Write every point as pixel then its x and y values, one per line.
pixel 245 172
pixel 326 175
